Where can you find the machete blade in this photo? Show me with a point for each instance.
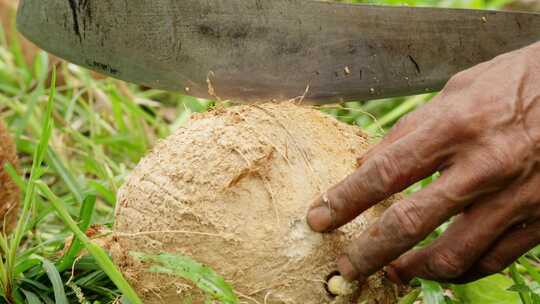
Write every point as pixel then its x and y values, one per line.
pixel 252 50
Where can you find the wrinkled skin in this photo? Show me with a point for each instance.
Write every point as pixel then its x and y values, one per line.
pixel 482 133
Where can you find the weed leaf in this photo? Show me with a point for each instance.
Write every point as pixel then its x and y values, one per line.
pixel 519 288
pixel 493 289
pixel 411 297
pixel 77 245
pixel 433 292
pixel 56 281
pixel 202 276
pixel 31 297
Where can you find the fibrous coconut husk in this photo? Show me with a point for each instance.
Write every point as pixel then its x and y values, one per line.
pixel 231 190
pixel 9 192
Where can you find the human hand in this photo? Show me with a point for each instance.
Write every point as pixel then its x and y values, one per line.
pixel 482 133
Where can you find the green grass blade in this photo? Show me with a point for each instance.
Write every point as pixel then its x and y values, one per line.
pixel 531 270
pixel 18 296
pixel 404 108
pixel 411 297
pixel 4 276
pixel 520 285
pixel 56 280
pixel 41 67
pixel 99 254
pixel 15 177
pixel 31 103
pixel 16 50
pixel 31 297
pixel 26 264
pixel 85 219
pixel 37 286
pixel 73 185
pixel 104 261
pixel 202 276
pixel 35 173
pixel 91 278
pixel 104 192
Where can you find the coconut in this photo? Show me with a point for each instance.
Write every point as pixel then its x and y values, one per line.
pixel 231 190
pixel 9 192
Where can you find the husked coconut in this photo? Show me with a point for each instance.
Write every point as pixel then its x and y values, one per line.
pixel 9 192
pixel 231 190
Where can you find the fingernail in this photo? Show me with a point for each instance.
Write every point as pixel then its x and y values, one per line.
pixel 348 271
pixel 319 218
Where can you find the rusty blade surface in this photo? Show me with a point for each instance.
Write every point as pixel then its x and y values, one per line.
pixel 253 50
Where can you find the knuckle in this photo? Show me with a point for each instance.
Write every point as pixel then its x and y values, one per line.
pixel 403 122
pixel 455 82
pixel 501 163
pixel 461 127
pixel 492 264
pixel 342 197
pixel 460 81
pixel 383 174
pixel 404 221
pixel 491 168
pixel 446 264
pixel 482 176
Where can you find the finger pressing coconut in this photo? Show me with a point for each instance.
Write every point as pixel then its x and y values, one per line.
pixel 9 192
pixel 230 190
pixel 482 133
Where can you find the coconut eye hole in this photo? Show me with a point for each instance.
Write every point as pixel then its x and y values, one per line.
pixel 336 285
pixel 328 279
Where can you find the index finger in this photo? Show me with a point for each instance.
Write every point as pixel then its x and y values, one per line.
pixel 387 172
